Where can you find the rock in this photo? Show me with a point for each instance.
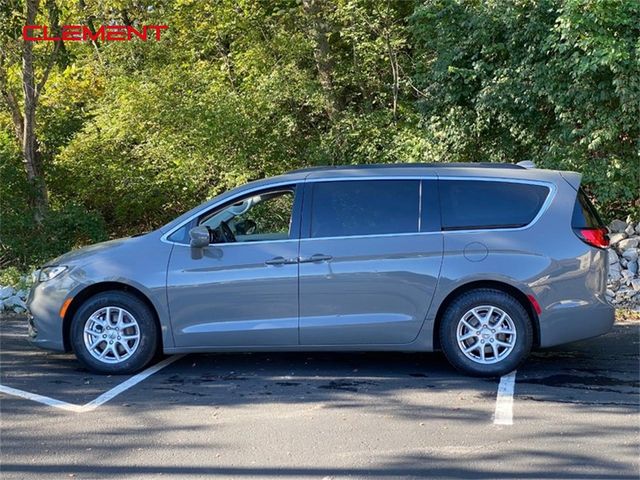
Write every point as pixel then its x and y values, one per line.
pixel 617 226
pixel 615 238
pixel 610 293
pixel 614 273
pixel 1 306
pixel 6 292
pixel 15 301
pixel 615 267
pixel 613 256
pixel 624 262
pixel 23 294
pixel 18 309
pixel 633 267
pixel 625 244
pixel 630 254
pixel 629 230
pixel 638 228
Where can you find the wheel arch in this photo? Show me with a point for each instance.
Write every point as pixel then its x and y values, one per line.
pixel 96 288
pixel 515 292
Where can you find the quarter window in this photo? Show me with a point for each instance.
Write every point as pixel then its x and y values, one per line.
pixel 364 207
pixel 474 204
pixel 584 213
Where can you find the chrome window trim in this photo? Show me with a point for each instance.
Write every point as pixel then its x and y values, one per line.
pixel 372 177
pixel 381 235
pixel 545 206
pixel 261 242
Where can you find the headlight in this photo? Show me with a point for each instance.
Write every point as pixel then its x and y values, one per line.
pixel 47 273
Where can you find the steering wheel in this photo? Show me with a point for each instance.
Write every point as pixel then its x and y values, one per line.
pixel 246 227
pixel 226 233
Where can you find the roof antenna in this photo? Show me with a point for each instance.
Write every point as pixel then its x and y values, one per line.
pixel 526 164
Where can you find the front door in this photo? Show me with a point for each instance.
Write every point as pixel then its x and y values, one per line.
pixel 368 267
pixel 241 290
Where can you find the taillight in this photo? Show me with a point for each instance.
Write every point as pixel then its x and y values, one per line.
pixel 596 237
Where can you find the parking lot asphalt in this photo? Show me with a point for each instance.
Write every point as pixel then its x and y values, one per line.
pixel 576 415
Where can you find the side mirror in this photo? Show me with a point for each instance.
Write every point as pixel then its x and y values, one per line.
pixel 199 236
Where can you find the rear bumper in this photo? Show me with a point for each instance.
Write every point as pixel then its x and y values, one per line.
pixel 571 322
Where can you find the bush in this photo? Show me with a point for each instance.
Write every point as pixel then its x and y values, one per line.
pixel 26 245
pixel 12 276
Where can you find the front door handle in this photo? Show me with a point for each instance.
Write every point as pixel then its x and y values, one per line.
pixel 318 257
pixel 281 261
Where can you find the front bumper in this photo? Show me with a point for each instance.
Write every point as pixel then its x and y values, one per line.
pixel 44 323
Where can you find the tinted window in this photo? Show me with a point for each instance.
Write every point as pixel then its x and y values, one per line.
pixel 469 204
pixel 364 207
pixel 584 213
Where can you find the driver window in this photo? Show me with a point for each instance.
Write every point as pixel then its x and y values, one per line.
pixel 265 216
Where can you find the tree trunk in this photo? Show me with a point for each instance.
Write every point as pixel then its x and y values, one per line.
pixel 30 151
pixel 322 53
pixel 16 115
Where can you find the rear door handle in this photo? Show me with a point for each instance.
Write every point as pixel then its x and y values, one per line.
pixel 318 257
pixel 281 261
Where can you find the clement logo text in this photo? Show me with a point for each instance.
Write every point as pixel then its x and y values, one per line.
pixel 82 33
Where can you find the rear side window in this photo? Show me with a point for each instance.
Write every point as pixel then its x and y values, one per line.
pixel 476 204
pixel 364 207
pixel 585 214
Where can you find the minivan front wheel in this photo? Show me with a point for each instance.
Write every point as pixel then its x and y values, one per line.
pixel 486 332
pixel 114 333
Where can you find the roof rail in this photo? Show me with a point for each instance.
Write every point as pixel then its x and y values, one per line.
pixel 412 165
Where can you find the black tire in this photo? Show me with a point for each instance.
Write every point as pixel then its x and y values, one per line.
pixel 485 297
pixel 148 328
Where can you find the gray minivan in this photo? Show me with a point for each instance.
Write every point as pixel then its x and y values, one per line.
pixel 481 261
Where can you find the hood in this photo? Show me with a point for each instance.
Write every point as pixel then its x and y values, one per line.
pixel 82 254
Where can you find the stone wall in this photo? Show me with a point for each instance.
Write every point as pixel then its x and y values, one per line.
pixel 623 289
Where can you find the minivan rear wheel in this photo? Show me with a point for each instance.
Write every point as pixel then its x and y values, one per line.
pixel 486 332
pixel 114 333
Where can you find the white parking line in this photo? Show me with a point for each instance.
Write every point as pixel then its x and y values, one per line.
pixel 101 399
pixel 504 400
pixel 52 402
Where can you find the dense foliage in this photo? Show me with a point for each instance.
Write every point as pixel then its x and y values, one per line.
pixel 133 133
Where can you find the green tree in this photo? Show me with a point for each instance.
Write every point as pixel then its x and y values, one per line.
pixel 553 81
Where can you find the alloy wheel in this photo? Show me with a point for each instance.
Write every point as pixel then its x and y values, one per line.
pixel 111 335
pixel 486 334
